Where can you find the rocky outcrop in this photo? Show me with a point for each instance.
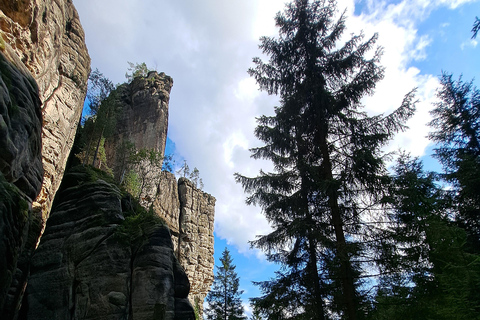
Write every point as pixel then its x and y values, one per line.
pixel 166 203
pixel 20 177
pixel 48 38
pixel 142 119
pixel 195 242
pixel 44 67
pixel 103 257
pixel 189 212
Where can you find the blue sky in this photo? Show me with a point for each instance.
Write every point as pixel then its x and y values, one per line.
pixel 207 46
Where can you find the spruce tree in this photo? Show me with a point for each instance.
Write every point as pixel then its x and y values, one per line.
pixel 328 164
pixel 223 300
pixel 456 127
pixel 427 272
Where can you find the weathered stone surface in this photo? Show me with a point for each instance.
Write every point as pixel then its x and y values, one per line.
pixel 188 212
pixel 94 262
pixel 195 243
pixel 143 119
pixel 20 129
pixel 20 177
pixel 47 37
pixel 167 204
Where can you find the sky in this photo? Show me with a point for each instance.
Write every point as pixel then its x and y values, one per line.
pixel 207 47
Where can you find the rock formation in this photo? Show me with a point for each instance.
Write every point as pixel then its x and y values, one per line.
pixel 188 211
pixel 143 120
pixel 20 177
pixel 92 262
pixel 44 67
pixel 102 258
pixel 195 240
pixel 48 38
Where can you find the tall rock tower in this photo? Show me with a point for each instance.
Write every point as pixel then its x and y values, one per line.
pixel 188 211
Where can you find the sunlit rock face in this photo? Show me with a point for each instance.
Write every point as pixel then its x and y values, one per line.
pixel 48 38
pixel 20 177
pixel 188 211
pixel 44 68
pixel 94 262
pixel 195 241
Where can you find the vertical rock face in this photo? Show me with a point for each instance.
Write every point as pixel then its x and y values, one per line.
pixel 47 37
pixel 195 243
pixel 143 119
pixel 99 260
pixel 20 128
pixel 167 203
pixel 45 42
pixel 20 177
pixel 188 212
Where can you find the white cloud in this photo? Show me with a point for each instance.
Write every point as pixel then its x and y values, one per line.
pixel 472 43
pixel 207 47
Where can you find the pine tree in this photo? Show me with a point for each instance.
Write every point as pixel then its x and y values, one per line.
pixel 475 28
pixel 427 273
pixel 328 166
pixel 456 127
pixel 223 300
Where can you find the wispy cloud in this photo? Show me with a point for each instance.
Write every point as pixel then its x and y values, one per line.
pixel 471 43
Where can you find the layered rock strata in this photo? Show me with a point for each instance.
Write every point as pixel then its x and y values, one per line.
pixel 188 211
pixel 48 38
pixel 20 177
pixel 101 259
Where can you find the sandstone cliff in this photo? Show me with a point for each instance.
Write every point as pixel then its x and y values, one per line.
pixel 44 66
pixel 104 257
pixel 48 38
pixel 143 119
pixel 20 178
pixel 188 211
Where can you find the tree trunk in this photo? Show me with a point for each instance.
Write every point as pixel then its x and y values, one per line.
pixel 98 147
pixel 319 309
pixel 346 275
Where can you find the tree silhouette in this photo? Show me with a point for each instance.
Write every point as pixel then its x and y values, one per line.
pixel 223 300
pixel 328 164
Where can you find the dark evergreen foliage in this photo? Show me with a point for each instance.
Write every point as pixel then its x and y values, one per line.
pixel 456 127
pixel 329 168
pixel 476 27
pixel 223 300
pixel 426 271
pixel 100 124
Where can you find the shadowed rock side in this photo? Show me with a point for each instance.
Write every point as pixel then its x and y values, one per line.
pixel 100 259
pixel 20 178
pixel 48 38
